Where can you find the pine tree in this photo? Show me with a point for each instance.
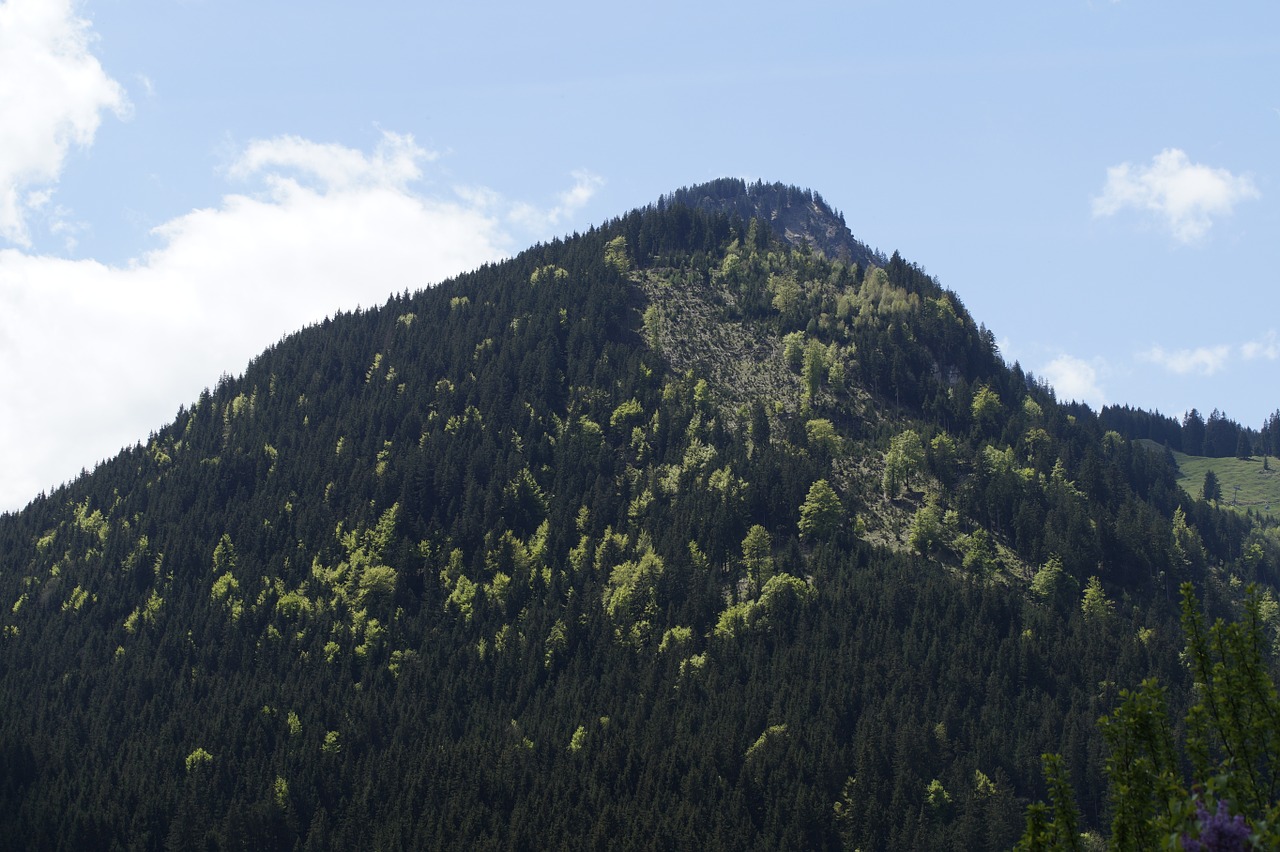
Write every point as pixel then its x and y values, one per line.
pixel 1211 490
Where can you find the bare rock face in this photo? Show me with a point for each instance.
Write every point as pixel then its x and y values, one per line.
pixel 799 216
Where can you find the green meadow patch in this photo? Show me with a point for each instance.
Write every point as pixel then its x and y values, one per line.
pixel 1245 483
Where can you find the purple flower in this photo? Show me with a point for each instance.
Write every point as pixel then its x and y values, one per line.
pixel 1218 832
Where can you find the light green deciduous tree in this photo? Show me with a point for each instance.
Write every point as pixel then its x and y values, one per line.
pixel 821 513
pixel 903 462
pixel 757 555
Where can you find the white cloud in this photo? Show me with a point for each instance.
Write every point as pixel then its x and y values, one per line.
pixel 1211 360
pixel 1075 379
pixel 576 197
pixel 99 356
pixel 1205 360
pixel 53 92
pixel 395 163
pixel 1267 347
pixel 570 202
pixel 1186 196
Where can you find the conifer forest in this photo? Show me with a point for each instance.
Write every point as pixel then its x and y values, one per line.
pixel 709 528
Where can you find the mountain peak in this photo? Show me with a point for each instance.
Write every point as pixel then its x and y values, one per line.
pixel 799 216
pixel 554 542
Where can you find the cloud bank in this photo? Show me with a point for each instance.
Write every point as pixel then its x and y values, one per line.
pixel 1185 196
pixel 1208 360
pixel 101 355
pixel 53 93
pixel 1203 360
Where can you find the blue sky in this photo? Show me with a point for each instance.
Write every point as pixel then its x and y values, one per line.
pixel 183 182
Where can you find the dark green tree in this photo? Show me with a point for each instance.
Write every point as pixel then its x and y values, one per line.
pixel 1231 743
pixel 1193 433
pixel 1211 490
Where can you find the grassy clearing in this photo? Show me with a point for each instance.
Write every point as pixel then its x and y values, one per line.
pixel 1245 484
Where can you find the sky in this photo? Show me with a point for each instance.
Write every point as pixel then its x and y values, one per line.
pixel 185 182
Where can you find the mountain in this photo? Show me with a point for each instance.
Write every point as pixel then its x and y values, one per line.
pixel 708 528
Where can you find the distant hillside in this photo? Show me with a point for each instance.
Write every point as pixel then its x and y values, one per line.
pixel 708 528
pixel 1218 436
pixel 1247 485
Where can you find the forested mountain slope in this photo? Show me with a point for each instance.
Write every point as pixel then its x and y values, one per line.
pixel 674 534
